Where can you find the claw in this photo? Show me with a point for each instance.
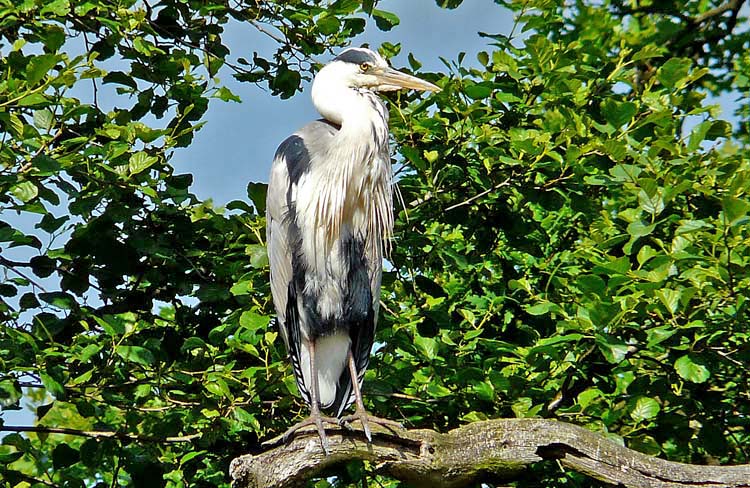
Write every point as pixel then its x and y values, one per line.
pixel 366 419
pixel 317 420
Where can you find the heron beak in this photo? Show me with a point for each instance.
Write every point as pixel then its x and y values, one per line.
pixel 390 79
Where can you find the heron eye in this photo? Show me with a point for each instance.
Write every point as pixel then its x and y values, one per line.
pixel 365 67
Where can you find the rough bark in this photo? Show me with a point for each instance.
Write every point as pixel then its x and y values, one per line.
pixel 493 450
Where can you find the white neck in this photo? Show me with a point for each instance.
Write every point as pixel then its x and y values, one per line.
pixel 357 189
pixel 341 104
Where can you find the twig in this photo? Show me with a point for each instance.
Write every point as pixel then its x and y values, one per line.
pixel 480 195
pixel 730 5
pixel 11 266
pixel 97 434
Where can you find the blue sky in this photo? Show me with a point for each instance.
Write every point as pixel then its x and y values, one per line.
pixel 238 142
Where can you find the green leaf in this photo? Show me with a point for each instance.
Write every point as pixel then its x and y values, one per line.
pixel 674 72
pixel 120 78
pixel 690 369
pixel 652 202
pixel 618 114
pixel 39 66
pixel 112 326
pixel 136 354
pixel 59 299
pixel 645 408
pixel 63 456
pixel 32 100
pixel 253 321
pixel 670 298
pixel 59 8
pixel 141 161
pixel 427 346
pixel 587 397
pixel 25 191
pixel 385 20
pixel 44 119
pixel 478 91
pixel 9 457
pixel 328 25
pixel 257 194
pixel 54 387
pixel 226 95
pixel 613 349
pixel 10 392
pixel 625 172
pixel 542 308
pixel 735 210
pixel 436 390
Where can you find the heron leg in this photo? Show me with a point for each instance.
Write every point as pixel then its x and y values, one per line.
pixel 315 418
pixel 360 413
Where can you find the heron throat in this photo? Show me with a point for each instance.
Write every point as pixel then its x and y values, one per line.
pixel 355 197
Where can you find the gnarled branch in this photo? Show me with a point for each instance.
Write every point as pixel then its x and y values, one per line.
pixel 494 449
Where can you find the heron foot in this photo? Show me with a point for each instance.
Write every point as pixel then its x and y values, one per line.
pixel 365 419
pixel 317 420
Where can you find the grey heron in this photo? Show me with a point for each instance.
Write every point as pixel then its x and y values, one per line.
pixel 329 215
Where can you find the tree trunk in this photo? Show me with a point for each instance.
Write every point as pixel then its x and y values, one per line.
pixel 491 450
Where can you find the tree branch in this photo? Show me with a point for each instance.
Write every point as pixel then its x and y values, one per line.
pixel 97 434
pixel 733 5
pixel 491 450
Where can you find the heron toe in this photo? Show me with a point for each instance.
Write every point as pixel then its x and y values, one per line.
pixel 317 421
pixel 366 419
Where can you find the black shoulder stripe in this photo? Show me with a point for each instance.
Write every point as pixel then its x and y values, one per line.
pixel 297 158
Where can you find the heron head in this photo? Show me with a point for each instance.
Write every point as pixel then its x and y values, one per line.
pixel 362 68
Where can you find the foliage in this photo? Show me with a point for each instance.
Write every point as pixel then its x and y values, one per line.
pixel 574 243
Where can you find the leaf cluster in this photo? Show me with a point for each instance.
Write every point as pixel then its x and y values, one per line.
pixel 573 241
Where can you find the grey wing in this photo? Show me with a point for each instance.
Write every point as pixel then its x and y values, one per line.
pixel 292 160
pixel 282 237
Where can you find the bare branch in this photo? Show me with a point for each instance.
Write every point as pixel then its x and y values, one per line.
pixel 733 5
pixel 96 434
pixel 493 450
